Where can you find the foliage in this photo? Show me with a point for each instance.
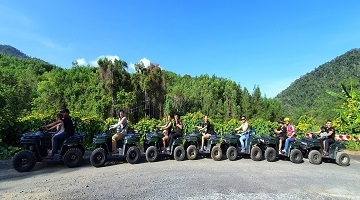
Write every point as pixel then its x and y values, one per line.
pixel 145 126
pixel 305 125
pixel 33 91
pixel 307 95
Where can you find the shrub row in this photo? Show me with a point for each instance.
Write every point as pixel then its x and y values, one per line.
pixel 11 131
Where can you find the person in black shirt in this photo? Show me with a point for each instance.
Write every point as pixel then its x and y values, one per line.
pixel 206 134
pixel 69 130
pixel 178 131
pixel 329 138
pixel 281 133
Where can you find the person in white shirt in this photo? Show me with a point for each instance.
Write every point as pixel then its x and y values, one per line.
pixel 244 134
pixel 121 129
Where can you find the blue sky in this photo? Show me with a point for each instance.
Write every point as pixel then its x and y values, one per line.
pixel 264 43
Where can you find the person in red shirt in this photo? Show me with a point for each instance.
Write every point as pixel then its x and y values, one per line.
pixel 291 134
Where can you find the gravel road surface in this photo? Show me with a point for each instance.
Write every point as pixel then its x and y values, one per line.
pixel 170 179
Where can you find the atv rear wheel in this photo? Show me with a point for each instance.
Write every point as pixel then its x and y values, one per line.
pixel 342 159
pixel 133 155
pixel 73 157
pixel 270 154
pixel 231 153
pixel 216 153
pixel 179 153
pixel 98 157
pixel 24 161
pixel 151 154
pixel 192 152
pixel 315 157
pixel 296 156
pixel 256 153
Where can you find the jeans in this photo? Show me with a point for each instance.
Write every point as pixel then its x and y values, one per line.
pixel 56 138
pixel 287 141
pixel 245 136
pixel 327 143
pixel 171 138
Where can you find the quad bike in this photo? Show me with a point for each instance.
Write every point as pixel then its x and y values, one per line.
pixel 231 145
pixel 36 146
pixel 314 147
pixel 192 145
pixel 128 147
pixel 153 143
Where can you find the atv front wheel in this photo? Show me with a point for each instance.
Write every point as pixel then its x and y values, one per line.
pixel 216 153
pixel 133 155
pixel 179 153
pixel 231 153
pixel 151 154
pixel 192 152
pixel 24 161
pixel 296 156
pixel 315 157
pixel 256 153
pixel 73 157
pixel 342 159
pixel 270 154
pixel 98 157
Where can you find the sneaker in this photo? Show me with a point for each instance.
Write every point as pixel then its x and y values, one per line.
pixel 168 149
pixel 326 153
pixel 283 151
pixel 280 152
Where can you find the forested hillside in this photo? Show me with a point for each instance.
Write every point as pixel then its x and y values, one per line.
pixel 11 51
pixel 307 95
pixel 32 91
pixel 31 86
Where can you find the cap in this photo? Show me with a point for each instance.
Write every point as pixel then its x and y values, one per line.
pixel 286 119
pixel 65 110
pixel 281 122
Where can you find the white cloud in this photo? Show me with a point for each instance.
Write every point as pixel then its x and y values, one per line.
pixel 109 57
pixel 131 68
pixel 145 61
pixel 81 62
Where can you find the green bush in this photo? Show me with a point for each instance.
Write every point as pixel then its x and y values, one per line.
pixel 11 131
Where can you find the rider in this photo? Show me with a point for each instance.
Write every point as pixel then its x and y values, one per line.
pixel 206 128
pixel 281 133
pixel 291 133
pixel 166 130
pixel 329 138
pixel 178 131
pixel 69 130
pixel 245 132
pixel 121 129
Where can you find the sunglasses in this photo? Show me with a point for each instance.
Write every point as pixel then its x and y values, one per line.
pixel 242 119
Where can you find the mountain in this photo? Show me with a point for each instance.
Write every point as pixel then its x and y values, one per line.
pixel 307 95
pixel 12 51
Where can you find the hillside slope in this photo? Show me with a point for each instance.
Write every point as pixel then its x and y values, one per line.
pixel 307 95
pixel 12 51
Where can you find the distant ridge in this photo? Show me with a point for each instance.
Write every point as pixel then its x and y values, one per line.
pixel 12 51
pixel 308 93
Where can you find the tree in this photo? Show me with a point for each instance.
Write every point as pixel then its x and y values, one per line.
pixel 113 76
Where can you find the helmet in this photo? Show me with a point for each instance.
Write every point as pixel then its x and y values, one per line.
pixel 286 119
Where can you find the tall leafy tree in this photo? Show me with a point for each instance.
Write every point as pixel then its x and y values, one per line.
pixel 113 76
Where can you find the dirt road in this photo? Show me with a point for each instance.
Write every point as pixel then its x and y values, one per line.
pixel 170 179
